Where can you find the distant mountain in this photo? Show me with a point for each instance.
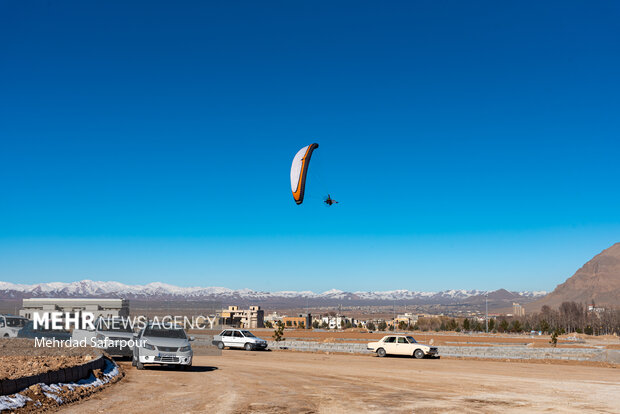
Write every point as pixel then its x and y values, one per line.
pixel 598 280
pixel 162 291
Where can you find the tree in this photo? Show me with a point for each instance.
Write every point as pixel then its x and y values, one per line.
pixel 402 325
pixel 516 326
pixel 543 326
pixel 554 338
pixel 452 325
pixel 370 326
pixel 503 326
pixel 315 325
pixel 268 324
pixel 491 324
pixel 382 326
pixel 324 325
pixel 278 333
pixel 466 325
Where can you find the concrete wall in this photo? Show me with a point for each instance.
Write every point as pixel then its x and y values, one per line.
pixel 503 352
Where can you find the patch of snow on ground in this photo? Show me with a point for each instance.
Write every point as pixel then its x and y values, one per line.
pixel 12 402
pixel 110 370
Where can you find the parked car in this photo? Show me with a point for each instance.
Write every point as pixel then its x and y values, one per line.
pixel 239 338
pixel 401 345
pixel 28 331
pixel 163 345
pixel 10 325
pixel 110 334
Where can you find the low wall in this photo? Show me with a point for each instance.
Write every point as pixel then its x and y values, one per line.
pixel 71 374
pixel 491 352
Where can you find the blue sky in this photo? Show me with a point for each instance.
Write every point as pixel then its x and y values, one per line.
pixel 471 145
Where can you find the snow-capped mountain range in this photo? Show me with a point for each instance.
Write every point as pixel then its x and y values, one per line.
pixel 89 288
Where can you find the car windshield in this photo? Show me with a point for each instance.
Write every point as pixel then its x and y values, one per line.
pixel 157 332
pixel 411 340
pixel 248 334
pixel 15 322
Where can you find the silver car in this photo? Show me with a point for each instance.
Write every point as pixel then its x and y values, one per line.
pixel 163 345
pixel 115 334
pixel 10 325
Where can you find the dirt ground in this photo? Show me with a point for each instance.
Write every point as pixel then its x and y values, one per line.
pixel 20 358
pixel 292 382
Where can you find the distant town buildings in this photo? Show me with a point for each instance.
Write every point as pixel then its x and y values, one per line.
pixel 251 318
pixel 518 310
pixel 105 308
pixel 299 321
pixel 408 319
pixel 593 308
pixel 338 322
pixel 272 318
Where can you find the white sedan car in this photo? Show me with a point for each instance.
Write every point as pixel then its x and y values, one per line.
pixel 401 345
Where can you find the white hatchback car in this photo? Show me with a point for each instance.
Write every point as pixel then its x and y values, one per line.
pixel 401 345
pixel 239 338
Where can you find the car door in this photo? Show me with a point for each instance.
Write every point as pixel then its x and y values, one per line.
pixel 136 349
pixel 225 337
pixel 237 339
pixel 403 347
pixel 389 345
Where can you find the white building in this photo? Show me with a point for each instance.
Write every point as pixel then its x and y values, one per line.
pixel 105 308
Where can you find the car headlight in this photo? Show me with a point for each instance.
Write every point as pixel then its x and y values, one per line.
pixel 149 346
pixel 185 348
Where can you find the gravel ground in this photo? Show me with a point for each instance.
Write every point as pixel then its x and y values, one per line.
pixel 20 358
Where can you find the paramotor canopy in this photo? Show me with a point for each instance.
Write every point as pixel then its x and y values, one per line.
pixel 299 170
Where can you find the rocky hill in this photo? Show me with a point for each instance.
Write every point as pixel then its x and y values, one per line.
pixel 598 280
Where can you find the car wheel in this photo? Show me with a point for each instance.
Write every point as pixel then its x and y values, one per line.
pixel 133 361
pixel 6 335
pixel 248 347
pixel 220 345
pixel 139 365
pixel 381 352
pixel 419 354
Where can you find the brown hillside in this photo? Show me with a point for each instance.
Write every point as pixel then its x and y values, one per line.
pixel 598 281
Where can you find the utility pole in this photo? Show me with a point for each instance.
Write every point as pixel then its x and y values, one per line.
pixel 486 311
pixel 394 320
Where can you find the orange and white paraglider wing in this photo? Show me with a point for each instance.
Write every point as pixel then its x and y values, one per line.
pixel 299 170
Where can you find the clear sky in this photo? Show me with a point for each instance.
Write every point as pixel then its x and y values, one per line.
pixel 470 144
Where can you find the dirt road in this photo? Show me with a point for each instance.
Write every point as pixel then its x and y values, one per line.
pixel 290 382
